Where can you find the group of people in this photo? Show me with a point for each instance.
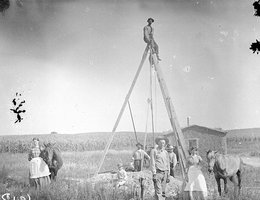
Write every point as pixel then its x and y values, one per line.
pixel 162 163
pixel 140 155
pixel 38 170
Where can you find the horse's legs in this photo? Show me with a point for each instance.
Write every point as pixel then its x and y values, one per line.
pixel 55 174
pixel 219 186
pixel 52 175
pixel 235 182
pixel 239 181
pixel 225 185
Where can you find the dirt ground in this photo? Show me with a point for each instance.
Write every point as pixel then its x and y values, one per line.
pixel 133 181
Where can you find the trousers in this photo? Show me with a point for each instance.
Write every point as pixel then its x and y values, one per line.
pixel 154 46
pixel 160 184
pixel 137 165
pixel 171 170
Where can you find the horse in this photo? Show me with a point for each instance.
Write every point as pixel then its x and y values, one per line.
pixel 225 167
pixel 52 156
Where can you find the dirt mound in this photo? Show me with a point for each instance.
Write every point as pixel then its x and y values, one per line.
pixel 138 180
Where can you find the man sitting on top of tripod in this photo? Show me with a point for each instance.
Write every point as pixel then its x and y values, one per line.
pixel 148 37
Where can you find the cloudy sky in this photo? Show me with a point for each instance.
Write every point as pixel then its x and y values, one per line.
pixel 73 62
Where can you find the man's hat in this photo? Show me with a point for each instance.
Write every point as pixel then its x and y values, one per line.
pixel 35 138
pixel 169 147
pixel 150 19
pixel 139 144
pixel 162 138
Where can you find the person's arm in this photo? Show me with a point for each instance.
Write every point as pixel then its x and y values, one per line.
pixel 153 161
pixel 174 160
pixel 146 155
pixel 168 161
pixel 146 34
pixel 30 155
pixel 168 167
pixel 202 162
pixel 133 156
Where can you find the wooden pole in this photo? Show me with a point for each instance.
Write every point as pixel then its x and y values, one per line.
pixel 122 109
pixel 177 133
pixel 151 95
pixel 132 121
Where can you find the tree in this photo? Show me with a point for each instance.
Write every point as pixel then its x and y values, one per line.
pixel 255 46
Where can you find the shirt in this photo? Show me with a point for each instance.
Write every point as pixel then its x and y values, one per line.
pixel 148 33
pixel 159 160
pixel 121 175
pixel 173 158
pixel 34 153
pixel 140 154
pixel 194 160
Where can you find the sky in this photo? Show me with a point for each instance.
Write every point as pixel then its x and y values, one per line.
pixel 73 62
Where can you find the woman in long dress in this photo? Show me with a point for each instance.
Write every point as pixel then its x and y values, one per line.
pixel 196 188
pixel 39 170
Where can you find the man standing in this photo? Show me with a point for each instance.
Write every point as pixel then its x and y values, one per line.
pixel 160 165
pixel 173 159
pixel 148 37
pixel 138 156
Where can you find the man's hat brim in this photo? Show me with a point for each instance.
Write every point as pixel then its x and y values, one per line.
pixel 150 19
pixel 162 138
pixel 139 144
pixel 169 147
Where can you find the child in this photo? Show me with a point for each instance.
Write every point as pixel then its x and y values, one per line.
pixel 121 175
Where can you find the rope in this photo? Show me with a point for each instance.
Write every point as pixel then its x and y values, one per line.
pixel 132 121
pixel 147 114
pixel 145 136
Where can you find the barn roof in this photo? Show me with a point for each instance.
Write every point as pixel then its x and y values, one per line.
pixel 203 129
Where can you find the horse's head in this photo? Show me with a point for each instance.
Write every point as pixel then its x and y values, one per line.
pixel 47 154
pixel 211 158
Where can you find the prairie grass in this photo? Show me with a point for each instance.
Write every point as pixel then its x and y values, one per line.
pixel 82 165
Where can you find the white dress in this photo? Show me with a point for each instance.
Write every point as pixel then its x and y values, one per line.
pixel 196 182
pixel 38 168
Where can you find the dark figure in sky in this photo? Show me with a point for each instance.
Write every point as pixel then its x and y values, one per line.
pixel 256 5
pixel 17 110
pixel 255 47
pixel 14 102
pixel 4 5
pixel 19 118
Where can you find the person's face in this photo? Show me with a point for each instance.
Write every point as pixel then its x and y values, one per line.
pixel 138 146
pixel 194 152
pixel 150 21
pixel 161 143
pixel 36 142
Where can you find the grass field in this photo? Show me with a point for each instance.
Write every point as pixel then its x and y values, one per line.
pixel 80 165
pixel 75 142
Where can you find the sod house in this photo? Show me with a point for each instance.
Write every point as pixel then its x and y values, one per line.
pixel 203 138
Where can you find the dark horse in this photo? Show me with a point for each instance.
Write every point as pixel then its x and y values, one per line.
pixel 225 167
pixel 52 156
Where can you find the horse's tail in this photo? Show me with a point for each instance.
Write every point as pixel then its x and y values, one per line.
pixel 250 161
